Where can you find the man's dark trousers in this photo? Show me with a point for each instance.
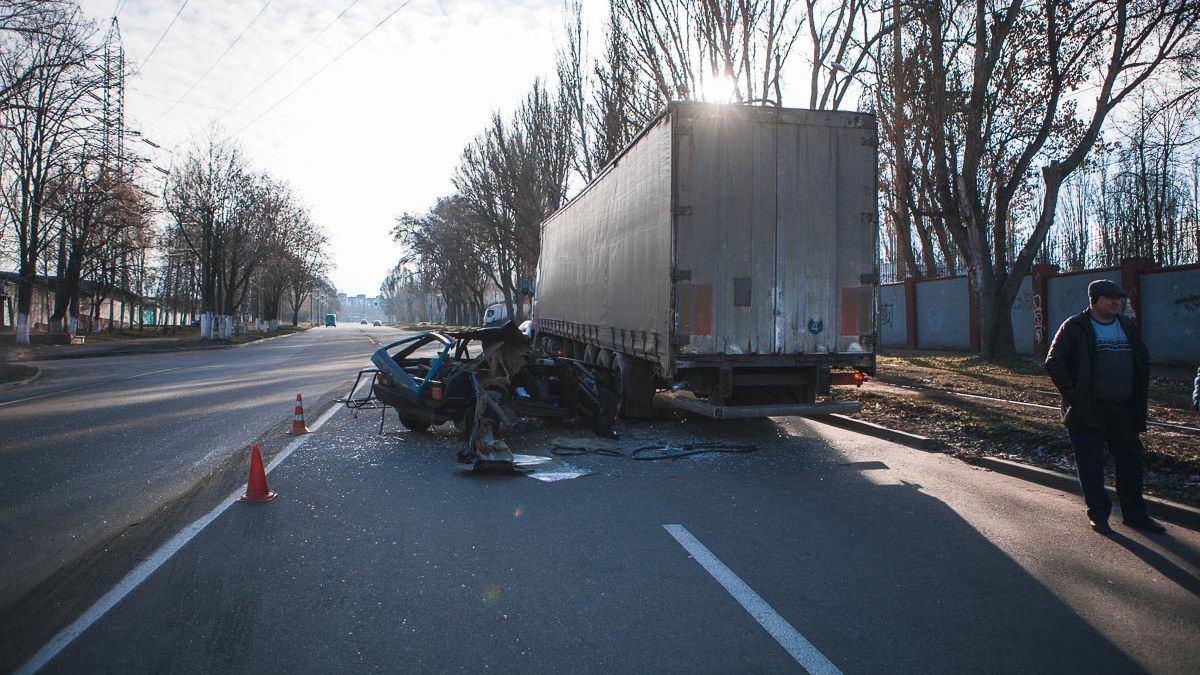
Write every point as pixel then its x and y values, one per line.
pixel 1121 437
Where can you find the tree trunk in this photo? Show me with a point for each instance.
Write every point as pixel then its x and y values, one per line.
pixel 73 326
pixel 24 302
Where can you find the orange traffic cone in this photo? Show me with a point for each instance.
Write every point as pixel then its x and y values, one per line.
pixel 298 425
pixel 256 485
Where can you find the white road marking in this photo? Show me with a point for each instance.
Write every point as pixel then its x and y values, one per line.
pixel 90 384
pixel 788 637
pixel 151 564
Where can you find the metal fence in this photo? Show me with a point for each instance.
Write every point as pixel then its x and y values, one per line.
pixel 1101 248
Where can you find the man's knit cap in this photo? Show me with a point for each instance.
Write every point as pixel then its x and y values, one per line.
pixel 1105 287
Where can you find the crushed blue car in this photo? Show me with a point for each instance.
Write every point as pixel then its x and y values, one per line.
pixel 482 381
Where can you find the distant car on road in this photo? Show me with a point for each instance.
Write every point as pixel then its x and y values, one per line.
pixel 362 321
pixel 330 320
pixel 377 323
pixel 496 315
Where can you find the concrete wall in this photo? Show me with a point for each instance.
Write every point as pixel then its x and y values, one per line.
pixel 1068 296
pixel 1022 318
pixel 1170 307
pixel 942 314
pixel 893 326
pixel 1171 316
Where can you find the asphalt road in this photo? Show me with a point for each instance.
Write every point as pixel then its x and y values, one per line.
pixel 382 553
pixel 97 446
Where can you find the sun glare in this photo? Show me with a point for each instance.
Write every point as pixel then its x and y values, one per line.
pixel 720 89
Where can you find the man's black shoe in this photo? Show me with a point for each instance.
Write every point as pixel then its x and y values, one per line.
pixel 1101 526
pixel 1146 525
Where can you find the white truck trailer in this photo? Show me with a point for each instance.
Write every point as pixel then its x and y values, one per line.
pixel 729 251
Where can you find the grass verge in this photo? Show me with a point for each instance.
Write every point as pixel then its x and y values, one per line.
pixel 1034 436
pixel 11 372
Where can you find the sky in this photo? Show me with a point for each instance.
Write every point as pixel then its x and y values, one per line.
pixel 377 133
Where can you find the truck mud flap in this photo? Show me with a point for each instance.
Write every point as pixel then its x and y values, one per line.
pixel 725 412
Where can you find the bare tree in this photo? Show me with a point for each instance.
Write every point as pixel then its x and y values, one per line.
pixel 447 250
pixel 42 117
pixel 258 226
pixel 511 178
pixel 307 258
pixel 1148 192
pixel 202 195
pixel 841 38
pixel 24 23
pixel 717 50
pixel 94 206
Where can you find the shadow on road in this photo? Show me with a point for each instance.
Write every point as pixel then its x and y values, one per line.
pixel 375 556
pixel 1185 579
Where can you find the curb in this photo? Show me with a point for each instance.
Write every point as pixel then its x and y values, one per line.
pixel 266 339
pixel 1171 512
pixel 138 352
pixel 37 372
pixel 1175 513
pixel 894 435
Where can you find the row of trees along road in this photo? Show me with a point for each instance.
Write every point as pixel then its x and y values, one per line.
pixel 985 109
pixel 247 235
pixel 234 242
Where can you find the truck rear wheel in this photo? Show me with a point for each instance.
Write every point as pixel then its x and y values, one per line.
pixel 635 387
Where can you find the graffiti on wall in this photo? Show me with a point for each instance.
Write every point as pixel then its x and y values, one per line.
pixel 1190 302
pixel 1039 321
pixel 885 314
pixel 1024 302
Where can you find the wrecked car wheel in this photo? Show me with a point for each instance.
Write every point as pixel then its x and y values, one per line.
pixel 415 424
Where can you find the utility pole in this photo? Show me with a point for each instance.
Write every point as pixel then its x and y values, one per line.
pixel 113 130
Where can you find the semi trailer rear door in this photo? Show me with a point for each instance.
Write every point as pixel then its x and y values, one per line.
pixel 774 230
pixel 725 232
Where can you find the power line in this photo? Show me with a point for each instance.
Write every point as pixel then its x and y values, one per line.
pixel 322 68
pixel 214 63
pixel 290 58
pixel 160 38
pixel 143 92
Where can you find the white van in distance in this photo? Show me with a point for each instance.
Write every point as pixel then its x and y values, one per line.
pixel 495 315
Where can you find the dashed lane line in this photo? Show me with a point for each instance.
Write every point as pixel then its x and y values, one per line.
pixel 151 564
pixel 808 656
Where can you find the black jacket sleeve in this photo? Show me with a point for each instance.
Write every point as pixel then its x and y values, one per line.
pixel 1062 359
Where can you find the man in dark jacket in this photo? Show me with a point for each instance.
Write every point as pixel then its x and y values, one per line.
pixel 1100 366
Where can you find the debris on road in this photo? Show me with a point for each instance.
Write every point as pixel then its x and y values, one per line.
pixel 483 380
pixel 572 447
pixel 546 469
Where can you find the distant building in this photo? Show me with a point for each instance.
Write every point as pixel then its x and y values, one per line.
pixel 360 307
pixel 118 308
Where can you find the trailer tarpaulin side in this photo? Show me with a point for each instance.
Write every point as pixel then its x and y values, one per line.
pixel 604 266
